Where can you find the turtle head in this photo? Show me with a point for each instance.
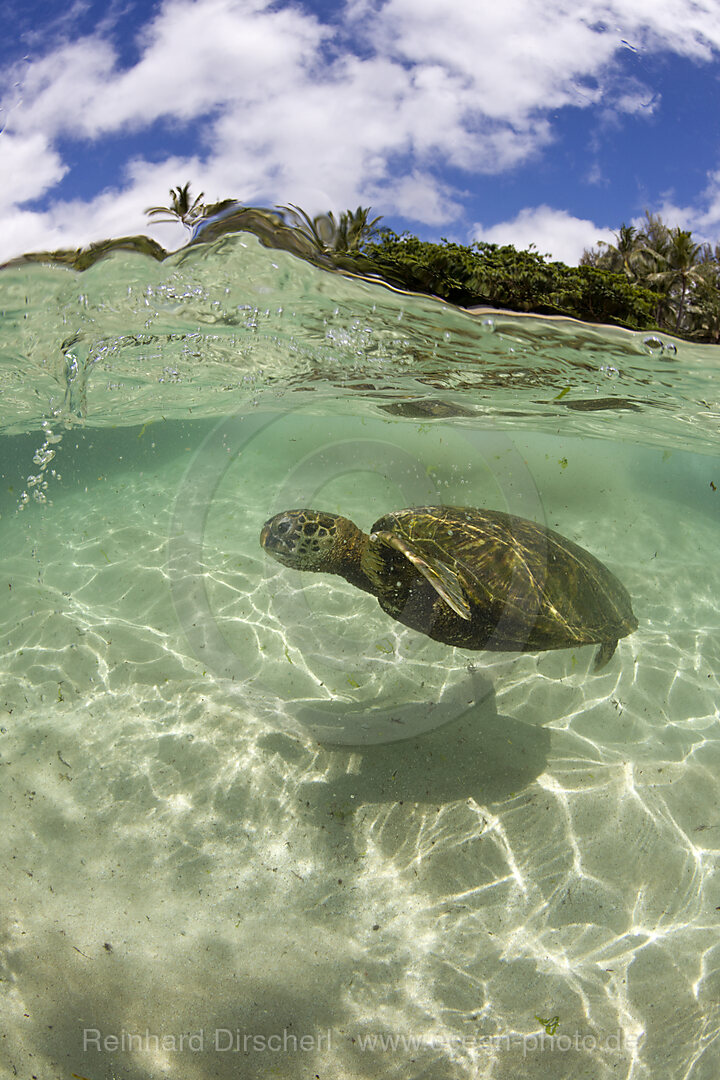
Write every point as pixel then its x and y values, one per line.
pixel 304 539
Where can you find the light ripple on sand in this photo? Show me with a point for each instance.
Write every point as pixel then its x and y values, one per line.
pixel 550 852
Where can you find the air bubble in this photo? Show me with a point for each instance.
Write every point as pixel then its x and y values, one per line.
pixel 654 345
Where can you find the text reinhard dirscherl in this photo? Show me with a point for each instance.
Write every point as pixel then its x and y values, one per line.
pixel 221 1040
pixel 224 1040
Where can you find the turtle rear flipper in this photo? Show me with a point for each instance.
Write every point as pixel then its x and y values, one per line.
pixel 442 578
pixel 604 653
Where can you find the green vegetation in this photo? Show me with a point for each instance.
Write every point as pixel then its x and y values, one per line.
pixel 684 275
pixel 84 258
pixel 655 277
pixel 501 276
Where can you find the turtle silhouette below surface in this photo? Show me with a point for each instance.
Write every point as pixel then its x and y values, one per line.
pixel 476 579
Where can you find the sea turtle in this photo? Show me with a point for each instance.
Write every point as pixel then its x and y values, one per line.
pixel 478 579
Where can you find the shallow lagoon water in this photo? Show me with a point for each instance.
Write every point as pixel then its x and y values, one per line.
pixel 243 808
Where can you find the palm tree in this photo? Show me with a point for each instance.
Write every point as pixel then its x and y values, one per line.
pixel 655 236
pixel 354 228
pixel 320 230
pixel 679 269
pixel 181 208
pixel 327 234
pixel 703 307
pixel 626 255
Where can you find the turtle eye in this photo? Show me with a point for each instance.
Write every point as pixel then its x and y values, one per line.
pixel 282 526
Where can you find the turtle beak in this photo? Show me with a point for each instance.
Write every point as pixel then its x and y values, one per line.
pixel 274 540
pixel 270 539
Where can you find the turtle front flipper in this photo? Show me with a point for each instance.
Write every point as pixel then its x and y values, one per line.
pixel 442 578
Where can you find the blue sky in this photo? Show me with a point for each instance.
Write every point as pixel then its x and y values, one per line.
pixel 517 121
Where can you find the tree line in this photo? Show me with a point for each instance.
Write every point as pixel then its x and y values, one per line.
pixel 654 277
pixel 684 274
pixel 469 275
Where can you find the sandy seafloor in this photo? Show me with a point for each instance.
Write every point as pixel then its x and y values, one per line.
pixel 178 857
pixel 249 823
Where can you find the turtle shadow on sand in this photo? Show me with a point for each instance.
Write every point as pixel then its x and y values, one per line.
pixel 481 755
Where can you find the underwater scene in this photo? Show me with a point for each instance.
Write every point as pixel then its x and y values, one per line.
pixel 256 826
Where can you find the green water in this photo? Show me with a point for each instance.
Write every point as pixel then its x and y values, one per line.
pixel 242 804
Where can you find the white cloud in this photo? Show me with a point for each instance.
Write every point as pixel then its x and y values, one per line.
pixel 631 97
pixel 707 220
pixel 22 231
pixel 433 201
pixel 511 57
pixel 687 27
pixel 58 90
pixel 508 50
pixel 196 58
pixel 28 166
pixel 702 218
pixel 553 232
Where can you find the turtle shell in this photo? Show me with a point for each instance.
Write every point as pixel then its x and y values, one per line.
pixel 483 579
